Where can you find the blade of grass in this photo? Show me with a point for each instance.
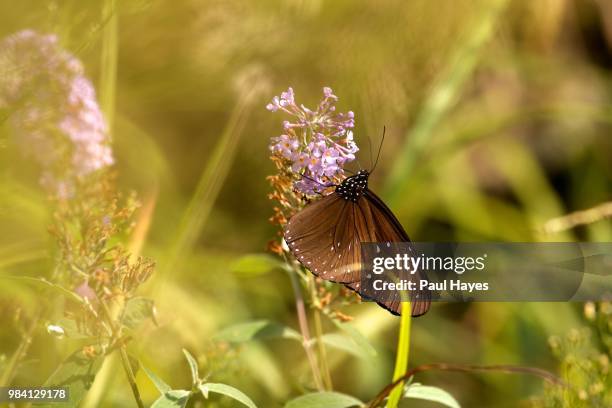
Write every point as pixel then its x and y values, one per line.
pixel 209 186
pixel 443 96
pixel 21 253
pixel 23 204
pixel 108 72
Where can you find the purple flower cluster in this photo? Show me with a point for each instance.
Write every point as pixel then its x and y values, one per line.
pixel 318 143
pixel 53 107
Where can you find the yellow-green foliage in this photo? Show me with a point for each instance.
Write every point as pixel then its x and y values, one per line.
pixel 497 118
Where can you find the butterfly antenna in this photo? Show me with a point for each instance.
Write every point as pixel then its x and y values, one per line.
pixel 379 149
pixel 370 146
pixel 316 181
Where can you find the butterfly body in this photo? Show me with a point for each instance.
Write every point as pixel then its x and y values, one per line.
pixel 326 238
pixel 354 187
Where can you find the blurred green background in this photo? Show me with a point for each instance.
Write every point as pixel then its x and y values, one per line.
pixel 498 117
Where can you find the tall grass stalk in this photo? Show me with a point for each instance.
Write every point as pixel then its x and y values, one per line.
pixel 442 97
pixel 403 355
pixel 211 180
pixel 108 72
pixel 304 328
pixel 318 328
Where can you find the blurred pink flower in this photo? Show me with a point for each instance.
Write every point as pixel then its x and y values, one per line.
pixel 53 108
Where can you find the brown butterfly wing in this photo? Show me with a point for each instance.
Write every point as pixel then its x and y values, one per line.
pixel 326 238
pixel 385 227
pixel 323 239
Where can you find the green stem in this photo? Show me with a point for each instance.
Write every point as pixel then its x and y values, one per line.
pixel 125 361
pixel 403 354
pixel 303 321
pixel 322 352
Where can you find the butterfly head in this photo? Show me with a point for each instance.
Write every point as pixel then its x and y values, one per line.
pixel 354 187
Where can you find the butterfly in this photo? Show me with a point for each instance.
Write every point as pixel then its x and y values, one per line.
pixel 326 238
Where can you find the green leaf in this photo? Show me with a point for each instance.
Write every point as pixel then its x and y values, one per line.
pixel 172 399
pixel 77 373
pixel 429 393
pixel 345 343
pixel 255 264
pixel 136 311
pixel 228 391
pixel 358 338
pixel 256 330
pixel 193 366
pixel 160 384
pixel 324 399
pixel 108 68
